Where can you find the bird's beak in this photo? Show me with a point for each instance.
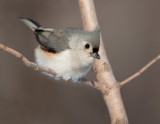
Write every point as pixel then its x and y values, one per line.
pixel 96 55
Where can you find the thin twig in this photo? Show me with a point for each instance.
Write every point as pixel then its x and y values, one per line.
pixel 26 61
pixel 48 70
pixel 104 90
pixel 140 71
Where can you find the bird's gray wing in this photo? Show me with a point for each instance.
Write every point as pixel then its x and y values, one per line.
pixel 52 40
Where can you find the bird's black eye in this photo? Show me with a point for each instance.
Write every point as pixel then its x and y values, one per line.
pixel 87 46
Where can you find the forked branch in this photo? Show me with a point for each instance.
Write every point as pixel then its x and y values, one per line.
pixel 103 68
pixel 107 83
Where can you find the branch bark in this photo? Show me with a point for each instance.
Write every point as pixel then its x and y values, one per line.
pixel 103 69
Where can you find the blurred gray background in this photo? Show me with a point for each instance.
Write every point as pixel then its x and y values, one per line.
pixel 131 33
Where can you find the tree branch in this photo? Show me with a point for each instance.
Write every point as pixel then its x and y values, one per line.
pixel 140 71
pixel 26 61
pixel 104 90
pixel 48 70
pixel 107 83
pixel 103 69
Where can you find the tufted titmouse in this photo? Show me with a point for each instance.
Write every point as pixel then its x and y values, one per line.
pixel 68 51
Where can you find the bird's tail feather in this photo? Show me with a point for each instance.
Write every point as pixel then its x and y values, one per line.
pixel 30 23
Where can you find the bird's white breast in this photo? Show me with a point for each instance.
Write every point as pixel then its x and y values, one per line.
pixel 67 64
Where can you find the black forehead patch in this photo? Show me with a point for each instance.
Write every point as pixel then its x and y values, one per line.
pixel 95 50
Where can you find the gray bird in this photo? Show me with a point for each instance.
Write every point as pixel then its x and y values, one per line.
pixel 68 51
